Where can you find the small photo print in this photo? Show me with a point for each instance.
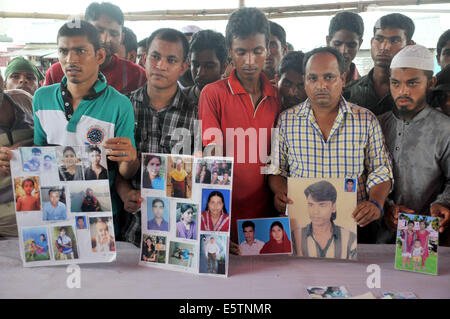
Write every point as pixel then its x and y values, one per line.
pixel 81 222
pixel 400 295
pixel 87 197
pixel 53 203
pixel 264 236
pixel 153 171
pixel 182 254
pixel 158 212
pixel 70 165
pixel 179 177
pixel 186 226
pixel 327 292
pixel 64 243
pixel 31 159
pixel 154 249
pixel 213 254
pixel 27 193
pixel 350 185
pixel 215 210
pixel 35 244
pixel 214 172
pixel 94 163
pixel 417 243
pixel 102 234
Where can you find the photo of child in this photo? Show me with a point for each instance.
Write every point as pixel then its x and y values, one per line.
pixel 154 249
pixel 327 292
pixel 27 194
pixel 31 159
pixel 417 243
pixel 182 254
pixel 35 244
pixel 64 243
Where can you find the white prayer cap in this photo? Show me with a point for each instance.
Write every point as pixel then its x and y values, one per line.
pixel 415 57
pixel 190 29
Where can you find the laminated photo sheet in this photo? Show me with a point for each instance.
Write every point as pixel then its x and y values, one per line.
pixel 63 205
pixel 326 203
pixel 178 194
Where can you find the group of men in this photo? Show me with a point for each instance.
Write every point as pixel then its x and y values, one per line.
pixel 324 112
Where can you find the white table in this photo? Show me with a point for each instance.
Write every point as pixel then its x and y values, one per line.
pixel 249 277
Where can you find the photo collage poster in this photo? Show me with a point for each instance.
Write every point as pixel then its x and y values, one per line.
pixel 326 204
pixel 63 205
pixel 417 243
pixel 186 213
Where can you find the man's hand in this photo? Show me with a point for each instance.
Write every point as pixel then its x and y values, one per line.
pixel 5 157
pixel 234 248
pixel 280 201
pixel 133 200
pixel 391 215
pixel 443 213
pixel 365 213
pixel 122 150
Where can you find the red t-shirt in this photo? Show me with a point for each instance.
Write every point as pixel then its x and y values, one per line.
pixel 121 74
pixel 225 104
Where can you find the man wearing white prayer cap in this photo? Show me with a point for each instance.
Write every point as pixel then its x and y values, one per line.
pixel 189 31
pixel 418 137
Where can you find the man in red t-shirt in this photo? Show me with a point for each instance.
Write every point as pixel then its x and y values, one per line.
pixel 240 112
pixel 121 74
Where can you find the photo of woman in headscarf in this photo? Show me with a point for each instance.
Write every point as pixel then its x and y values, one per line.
pixel 70 170
pixel 279 241
pixel 151 176
pixel 215 216
pixel 179 180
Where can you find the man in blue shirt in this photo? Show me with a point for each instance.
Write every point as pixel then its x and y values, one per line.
pixel 54 209
pixel 158 222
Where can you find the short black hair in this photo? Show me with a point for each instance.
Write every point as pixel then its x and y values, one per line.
pixel 142 43
pixel 85 29
pixel 322 191
pixel 246 22
pixel 248 223
pixel 157 200
pixel 27 180
pixel 333 51
pixel 95 10
pixel 410 222
pixel 209 40
pixel 397 21
pixel 94 148
pixel 346 20
pixel 36 150
pixel 443 39
pixel 170 35
pixel 53 190
pixel 129 40
pixel 278 31
pixel 293 60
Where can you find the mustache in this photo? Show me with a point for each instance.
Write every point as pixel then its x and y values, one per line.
pixel 405 98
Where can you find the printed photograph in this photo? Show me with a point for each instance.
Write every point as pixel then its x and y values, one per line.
pixel 214 172
pixel 321 218
pixel 49 168
pixel 186 226
pixel 53 203
pixel 90 197
pixel 327 292
pixel 179 176
pixel 154 249
pixel 215 210
pixel 182 254
pixel 264 236
pixel 70 165
pixel 35 244
pixel 158 212
pixel 81 222
pixel 102 234
pixel 400 295
pixel 27 194
pixel 350 185
pixel 32 159
pixel 213 254
pixel 417 243
pixel 94 163
pixel 64 243
pixel 153 171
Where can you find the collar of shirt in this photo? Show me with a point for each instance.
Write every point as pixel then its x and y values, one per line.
pixel 236 86
pixel 143 98
pixel 419 116
pixel 305 109
pixel 334 233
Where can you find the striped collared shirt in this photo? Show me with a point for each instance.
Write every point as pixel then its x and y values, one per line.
pixel 355 147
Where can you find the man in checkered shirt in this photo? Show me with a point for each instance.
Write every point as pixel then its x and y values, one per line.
pixel 161 110
pixel 327 137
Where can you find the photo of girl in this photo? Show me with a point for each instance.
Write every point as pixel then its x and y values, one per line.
pixel 215 216
pixel 27 194
pixel 69 164
pixel 151 176
pixel 279 242
pixel 35 241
